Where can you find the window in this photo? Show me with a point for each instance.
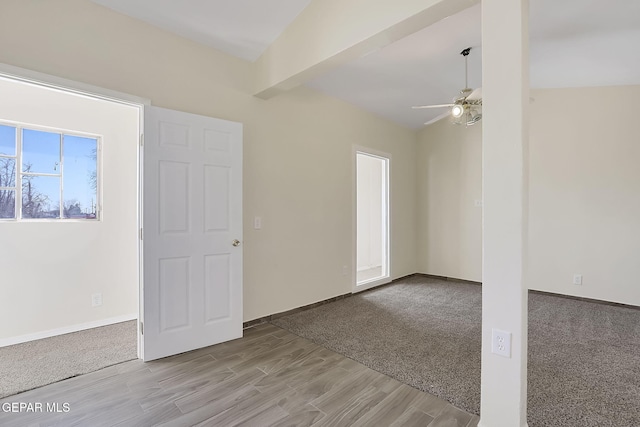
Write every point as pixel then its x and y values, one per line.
pixel 47 174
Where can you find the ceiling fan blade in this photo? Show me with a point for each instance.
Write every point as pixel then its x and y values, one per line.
pixel 440 117
pixel 419 107
pixel 476 95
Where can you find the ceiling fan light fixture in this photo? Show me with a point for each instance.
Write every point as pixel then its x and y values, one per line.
pixel 457 111
pixel 465 108
pixel 474 117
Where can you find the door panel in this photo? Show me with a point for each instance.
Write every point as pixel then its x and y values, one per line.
pixel 216 198
pixel 173 194
pixel 192 213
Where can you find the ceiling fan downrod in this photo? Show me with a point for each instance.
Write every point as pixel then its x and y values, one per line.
pixel 465 53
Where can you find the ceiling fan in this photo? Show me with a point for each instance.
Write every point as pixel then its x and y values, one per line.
pixel 466 108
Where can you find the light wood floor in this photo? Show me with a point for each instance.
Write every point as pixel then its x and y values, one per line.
pixel 268 378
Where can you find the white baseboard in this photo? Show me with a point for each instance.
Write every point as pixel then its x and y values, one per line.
pixel 67 329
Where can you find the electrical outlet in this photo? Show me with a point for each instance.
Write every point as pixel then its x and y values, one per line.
pixel 477 203
pixel 501 343
pixel 577 279
pixel 96 300
pixel 345 270
pixel 257 223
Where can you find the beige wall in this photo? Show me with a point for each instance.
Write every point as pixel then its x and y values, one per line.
pixel 584 198
pixel 297 146
pixel 585 193
pixel 298 177
pixel 50 269
pixel 449 183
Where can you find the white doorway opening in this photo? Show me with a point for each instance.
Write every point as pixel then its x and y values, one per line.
pixel 68 208
pixel 372 219
pixel 190 293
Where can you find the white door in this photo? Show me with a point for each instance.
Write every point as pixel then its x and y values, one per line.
pixel 192 229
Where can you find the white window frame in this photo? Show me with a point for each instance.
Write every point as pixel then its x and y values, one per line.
pixel 19 126
pixel 15 179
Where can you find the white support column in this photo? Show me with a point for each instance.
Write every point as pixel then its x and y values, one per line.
pixel 505 134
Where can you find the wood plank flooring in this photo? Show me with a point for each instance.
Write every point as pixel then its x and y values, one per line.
pixel 269 377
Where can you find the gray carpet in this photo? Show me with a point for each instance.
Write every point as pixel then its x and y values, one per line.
pixel 584 358
pixel 36 363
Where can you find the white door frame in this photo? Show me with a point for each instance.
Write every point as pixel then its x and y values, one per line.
pixel 354 237
pixel 83 89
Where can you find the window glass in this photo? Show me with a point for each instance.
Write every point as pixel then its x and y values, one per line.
pixel 7 204
pixel 48 175
pixel 7 140
pixel 7 172
pixel 40 196
pixel 40 152
pixel 80 176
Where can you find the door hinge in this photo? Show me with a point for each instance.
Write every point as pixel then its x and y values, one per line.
pixel 140 233
pixel 141 328
pixel 141 139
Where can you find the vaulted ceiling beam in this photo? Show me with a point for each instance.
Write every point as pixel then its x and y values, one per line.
pixel 329 33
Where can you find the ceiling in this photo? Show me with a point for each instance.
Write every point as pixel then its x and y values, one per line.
pixel 574 43
pixel 242 28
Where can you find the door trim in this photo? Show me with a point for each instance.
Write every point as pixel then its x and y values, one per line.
pixel 59 83
pixel 354 218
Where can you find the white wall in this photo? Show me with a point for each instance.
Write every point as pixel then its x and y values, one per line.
pixel 584 196
pixel 370 171
pixel 297 146
pixel 51 268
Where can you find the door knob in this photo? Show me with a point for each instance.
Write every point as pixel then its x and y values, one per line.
pixel 236 242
